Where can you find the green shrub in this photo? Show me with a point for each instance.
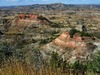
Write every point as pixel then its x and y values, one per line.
pixel 72 32
pixel 6 51
pixel 79 67
pixel 55 60
pixel 86 34
pixel 96 62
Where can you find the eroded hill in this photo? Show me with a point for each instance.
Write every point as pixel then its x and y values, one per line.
pixel 71 49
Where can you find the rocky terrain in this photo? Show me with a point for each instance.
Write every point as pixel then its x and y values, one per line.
pixel 68 48
pixel 68 16
pixel 47 27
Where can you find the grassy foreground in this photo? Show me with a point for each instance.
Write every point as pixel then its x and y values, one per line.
pixel 14 67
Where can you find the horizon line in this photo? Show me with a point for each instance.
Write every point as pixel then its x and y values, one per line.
pixel 15 5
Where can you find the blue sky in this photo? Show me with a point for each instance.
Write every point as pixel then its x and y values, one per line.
pixel 29 2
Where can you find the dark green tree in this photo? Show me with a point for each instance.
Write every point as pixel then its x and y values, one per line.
pixel 95 64
pixel 72 32
pixel 6 51
pixel 79 67
pixel 55 60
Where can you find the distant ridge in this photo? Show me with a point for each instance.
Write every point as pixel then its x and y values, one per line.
pixel 47 9
pixel 53 6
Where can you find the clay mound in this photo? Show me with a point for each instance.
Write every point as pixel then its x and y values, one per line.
pixel 29 19
pixel 26 22
pixel 69 48
pixel 64 41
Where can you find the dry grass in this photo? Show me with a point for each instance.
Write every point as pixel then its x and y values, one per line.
pixel 14 67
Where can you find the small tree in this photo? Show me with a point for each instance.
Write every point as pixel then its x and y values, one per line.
pixel 5 51
pixel 72 32
pixel 79 67
pixel 96 63
pixel 55 60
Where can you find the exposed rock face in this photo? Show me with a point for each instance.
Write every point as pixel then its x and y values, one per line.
pixel 70 49
pixel 29 19
pixel 27 16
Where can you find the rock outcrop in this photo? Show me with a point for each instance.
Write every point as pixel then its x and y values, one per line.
pixel 68 48
pixel 29 19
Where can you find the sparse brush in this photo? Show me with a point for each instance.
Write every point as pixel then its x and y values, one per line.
pixel 15 67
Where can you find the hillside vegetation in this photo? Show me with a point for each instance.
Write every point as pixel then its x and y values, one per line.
pixel 50 39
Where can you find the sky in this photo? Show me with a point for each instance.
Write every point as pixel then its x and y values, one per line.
pixel 30 2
